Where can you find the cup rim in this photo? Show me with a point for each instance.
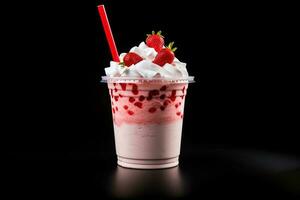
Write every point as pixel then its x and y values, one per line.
pixel 107 79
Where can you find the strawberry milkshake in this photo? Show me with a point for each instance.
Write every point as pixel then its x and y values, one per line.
pixel 148 89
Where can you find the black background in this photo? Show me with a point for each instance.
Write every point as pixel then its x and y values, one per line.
pixel 59 113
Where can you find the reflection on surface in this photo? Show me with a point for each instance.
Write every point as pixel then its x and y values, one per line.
pixel 135 183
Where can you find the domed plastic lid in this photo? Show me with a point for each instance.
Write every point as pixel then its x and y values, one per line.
pixel 106 79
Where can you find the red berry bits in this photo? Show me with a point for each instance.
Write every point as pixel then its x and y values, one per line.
pixel 135 89
pixel 149 98
pixel 176 105
pixel 116 98
pixel 125 107
pixel 113 110
pixel 142 98
pixel 138 104
pixel 163 96
pixel 173 95
pixel 152 110
pixel 130 112
pixel 162 108
pixel 131 99
pixel 114 84
pixel 178 113
pixel 153 93
pixel 116 90
pixel 120 95
pixel 163 88
pixel 117 109
pixel 179 103
pixel 166 102
pixel 183 90
pixel 123 86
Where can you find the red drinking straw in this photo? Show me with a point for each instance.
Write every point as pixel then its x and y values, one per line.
pixel 108 33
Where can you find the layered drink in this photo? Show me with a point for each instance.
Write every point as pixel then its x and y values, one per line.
pixel 148 91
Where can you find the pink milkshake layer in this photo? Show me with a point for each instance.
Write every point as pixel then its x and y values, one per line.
pixel 147 123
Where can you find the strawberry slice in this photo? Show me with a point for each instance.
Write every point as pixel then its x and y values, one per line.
pixel 166 55
pixel 131 59
pixel 155 40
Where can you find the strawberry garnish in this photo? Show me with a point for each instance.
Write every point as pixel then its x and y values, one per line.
pixel 155 40
pixel 131 59
pixel 166 55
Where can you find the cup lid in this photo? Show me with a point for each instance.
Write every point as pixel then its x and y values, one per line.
pixel 107 79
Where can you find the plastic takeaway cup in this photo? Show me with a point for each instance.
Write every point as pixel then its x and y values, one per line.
pixel 147 117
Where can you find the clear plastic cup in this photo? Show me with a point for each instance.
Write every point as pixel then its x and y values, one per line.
pixel 147 117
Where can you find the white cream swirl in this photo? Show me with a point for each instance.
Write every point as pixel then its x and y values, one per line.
pixel 146 68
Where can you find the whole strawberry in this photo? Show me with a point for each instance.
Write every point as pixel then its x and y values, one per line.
pixel 166 55
pixel 155 40
pixel 131 59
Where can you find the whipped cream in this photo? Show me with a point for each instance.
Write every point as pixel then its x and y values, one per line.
pixel 145 68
